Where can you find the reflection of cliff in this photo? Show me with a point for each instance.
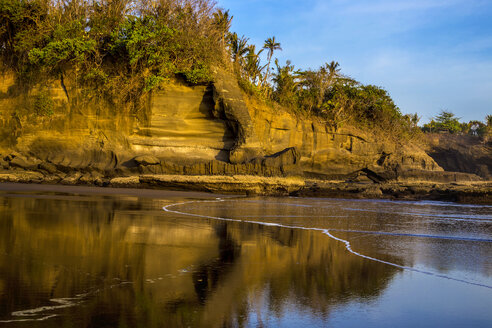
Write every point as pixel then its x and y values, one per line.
pixel 207 275
pixel 308 265
pixel 184 272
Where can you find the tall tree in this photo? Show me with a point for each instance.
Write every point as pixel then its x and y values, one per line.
pixel 238 47
pixel 222 21
pixel 444 121
pixel 488 120
pixel 285 84
pixel 326 75
pixel 333 70
pixel 253 64
pixel 270 45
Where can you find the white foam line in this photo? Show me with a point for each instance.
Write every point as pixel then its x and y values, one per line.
pixel 402 234
pixel 24 320
pixel 64 303
pixel 478 218
pixel 324 231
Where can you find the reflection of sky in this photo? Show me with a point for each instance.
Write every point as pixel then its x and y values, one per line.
pixel 429 54
pixel 411 300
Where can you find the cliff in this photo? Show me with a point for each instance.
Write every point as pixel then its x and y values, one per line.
pixel 57 129
pixel 462 153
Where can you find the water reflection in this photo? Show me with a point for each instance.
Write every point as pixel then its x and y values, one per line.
pixel 120 261
pixel 440 239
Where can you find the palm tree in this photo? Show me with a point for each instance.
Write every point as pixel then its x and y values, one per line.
pixel 222 22
pixel 253 63
pixel 271 45
pixel 333 70
pixel 488 120
pixel 285 83
pixel 327 74
pixel 238 47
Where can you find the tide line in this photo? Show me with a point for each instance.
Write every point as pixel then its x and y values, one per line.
pixel 402 234
pixel 38 314
pixel 324 231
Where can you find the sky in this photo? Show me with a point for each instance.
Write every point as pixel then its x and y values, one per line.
pixel 430 55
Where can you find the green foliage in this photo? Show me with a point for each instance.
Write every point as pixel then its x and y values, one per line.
pixel 43 104
pixel 152 81
pixel 448 122
pixel 285 85
pixel 199 73
pixel 366 105
pixel 144 43
pixel 238 47
pixel 18 29
pixel 121 49
pixel 445 121
pixel 95 77
pixel 59 52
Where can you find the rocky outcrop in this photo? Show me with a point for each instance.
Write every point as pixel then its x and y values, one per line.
pixel 324 152
pixel 229 104
pixel 180 123
pixel 462 153
pixel 476 192
pixel 192 130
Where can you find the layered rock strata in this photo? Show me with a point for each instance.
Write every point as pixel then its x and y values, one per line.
pixel 192 130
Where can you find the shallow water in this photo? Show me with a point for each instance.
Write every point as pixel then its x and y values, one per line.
pixel 179 260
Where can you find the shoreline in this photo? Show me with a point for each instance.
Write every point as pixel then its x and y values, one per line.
pixel 206 186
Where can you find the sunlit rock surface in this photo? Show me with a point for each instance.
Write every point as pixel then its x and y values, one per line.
pixel 193 130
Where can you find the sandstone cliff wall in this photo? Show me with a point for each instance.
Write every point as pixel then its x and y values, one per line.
pixel 324 151
pixel 462 153
pixel 185 129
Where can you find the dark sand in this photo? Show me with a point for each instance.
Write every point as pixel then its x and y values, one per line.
pixel 146 193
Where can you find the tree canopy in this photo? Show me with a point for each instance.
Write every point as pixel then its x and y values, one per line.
pixel 122 48
pixel 447 122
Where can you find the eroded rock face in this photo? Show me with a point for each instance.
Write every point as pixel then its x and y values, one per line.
pixel 229 103
pixel 181 124
pixel 191 130
pixel 462 153
pixel 327 153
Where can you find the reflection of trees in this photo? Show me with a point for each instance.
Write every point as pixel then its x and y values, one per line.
pixel 62 247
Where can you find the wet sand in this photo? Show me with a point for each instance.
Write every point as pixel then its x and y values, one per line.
pixel 147 193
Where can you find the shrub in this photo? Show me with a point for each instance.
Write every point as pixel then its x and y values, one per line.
pixel 43 104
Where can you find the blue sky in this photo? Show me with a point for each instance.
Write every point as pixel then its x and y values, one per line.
pixel 429 54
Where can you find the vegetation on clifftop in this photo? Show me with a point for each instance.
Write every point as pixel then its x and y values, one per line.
pixel 325 92
pixel 120 50
pixel 446 121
